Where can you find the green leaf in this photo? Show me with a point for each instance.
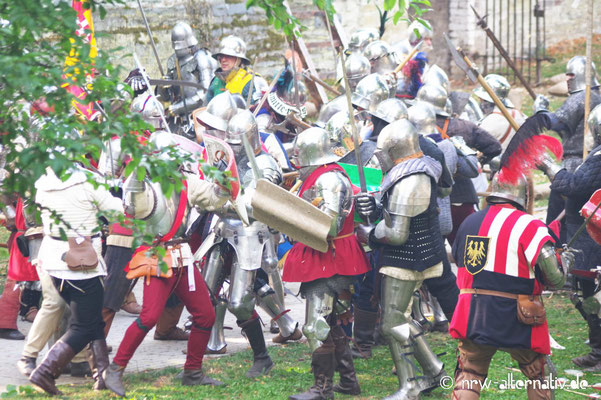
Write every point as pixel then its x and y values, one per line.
pixel 396 17
pixel 389 4
pixel 140 173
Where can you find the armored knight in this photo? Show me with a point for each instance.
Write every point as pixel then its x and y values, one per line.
pixel 189 63
pixel 252 249
pixel 577 187
pixel 166 218
pixel 568 122
pixel 381 57
pixel 326 277
pixel 360 38
pixel 417 32
pixel 464 199
pixel 494 122
pixel 411 250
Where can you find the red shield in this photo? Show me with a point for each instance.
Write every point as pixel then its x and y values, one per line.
pixel 594 225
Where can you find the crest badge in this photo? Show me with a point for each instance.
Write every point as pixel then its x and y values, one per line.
pixel 475 254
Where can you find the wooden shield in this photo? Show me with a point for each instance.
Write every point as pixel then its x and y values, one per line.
pixel 291 215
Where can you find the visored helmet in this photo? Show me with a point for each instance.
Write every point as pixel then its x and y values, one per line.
pixel 182 36
pixel 370 91
pixel 423 117
pixel 232 46
pixel 312 148
pixel 575 69
pixel 390 110
pixel 340 133
pixel 219 111
pixel 395 142
pixel 499 85
pixel 243 124
pixel 436 96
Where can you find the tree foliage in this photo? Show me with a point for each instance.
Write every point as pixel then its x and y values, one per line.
pixel 35 39
pixel 279 15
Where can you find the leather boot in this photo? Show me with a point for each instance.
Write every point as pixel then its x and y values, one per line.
pixel 323 365
pixel 107 316
pixel 100 362
pixel 364 329
pixel 166 328
pixel 254 333
pixel 113 379
pixel 193 377
pixel 594 336
pixel 49 370
pixel 344 364
pixel 130 304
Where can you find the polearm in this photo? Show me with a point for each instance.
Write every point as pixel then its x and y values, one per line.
pixel 154 47
pixel 474 75
pixel 482 24
pixel 307 74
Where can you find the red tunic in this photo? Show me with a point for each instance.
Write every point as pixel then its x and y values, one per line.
pixel 19 268
pixel 345 255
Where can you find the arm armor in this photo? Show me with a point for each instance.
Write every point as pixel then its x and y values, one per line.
pixel 553 274
pixel 332 193
pixel 408 198
pixel 191 103
pixel 110 158
pixel 270 169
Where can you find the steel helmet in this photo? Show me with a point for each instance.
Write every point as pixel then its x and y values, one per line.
pixel 370 91
pixel 423 116
pixel 232 46
pixel 500 87
pixel 436 96
pixel 182 36
pixel 219 111
pixel 396 141
pixel 312 148
pixel 576 67
pixel 390 110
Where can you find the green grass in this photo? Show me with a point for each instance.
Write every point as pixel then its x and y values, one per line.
pixel 292 371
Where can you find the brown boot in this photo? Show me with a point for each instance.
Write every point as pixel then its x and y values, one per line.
pixel 100 362
pixel 107 316
pixel 344 364
pixel 166 328
pixel 364 329
pixel 130 304
pixel 49 370
pixel 323 369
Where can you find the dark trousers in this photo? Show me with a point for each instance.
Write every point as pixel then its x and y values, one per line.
pixel 116 284
pixel 84 297
pixel 444 288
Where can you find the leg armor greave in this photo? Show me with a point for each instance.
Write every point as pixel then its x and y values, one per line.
pixel 431 365
pixel 242 297
pixel 217 339
pixel 268 301
pixel 396 329
pixel 318 307
pixel 213 272
pixel 439 317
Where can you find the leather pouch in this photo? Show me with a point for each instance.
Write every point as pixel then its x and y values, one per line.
pixel 81 255
pixel 143 266
pixel 531 310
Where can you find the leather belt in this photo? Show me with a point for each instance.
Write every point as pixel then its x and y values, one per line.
pixel 95 236
pixel 489 293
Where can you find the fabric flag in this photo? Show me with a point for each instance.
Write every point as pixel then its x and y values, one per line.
pixel 85 30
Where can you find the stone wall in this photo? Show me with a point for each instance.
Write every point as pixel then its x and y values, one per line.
pixel 213 19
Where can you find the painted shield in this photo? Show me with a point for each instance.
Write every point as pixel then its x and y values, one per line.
pixel 594 225
pixel 475 254
pixel 219 152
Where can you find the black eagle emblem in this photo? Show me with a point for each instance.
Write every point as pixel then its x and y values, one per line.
pixel 475 254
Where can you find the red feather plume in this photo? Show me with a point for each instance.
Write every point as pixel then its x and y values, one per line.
pixel 527 147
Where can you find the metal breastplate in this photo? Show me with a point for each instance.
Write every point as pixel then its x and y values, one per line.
pixel 424 247
pixel 247 241
pixel 332 193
